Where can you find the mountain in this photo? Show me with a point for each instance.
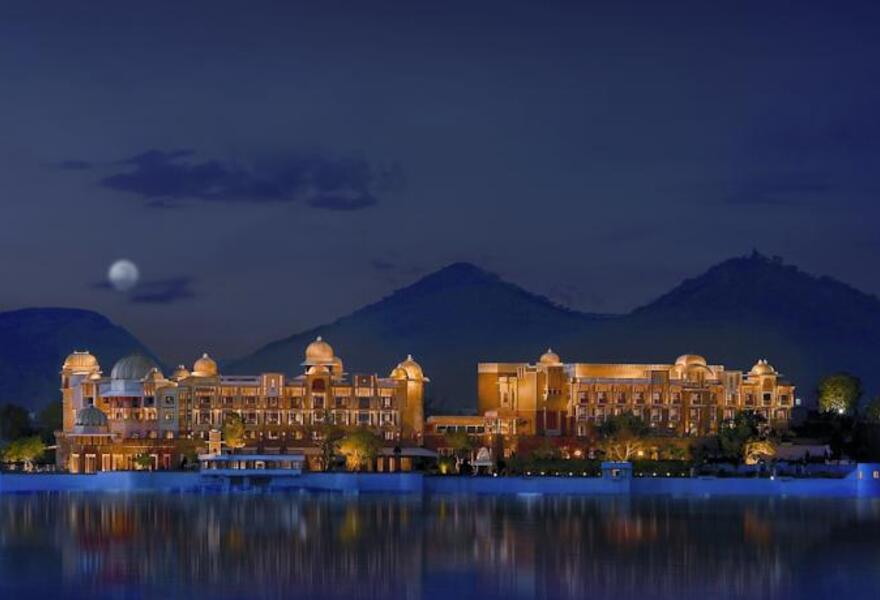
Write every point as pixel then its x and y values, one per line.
pixel 35 341
pixel 738 311
pixel 448 321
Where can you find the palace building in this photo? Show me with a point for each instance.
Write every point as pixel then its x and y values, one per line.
pixel 111 423
pixel 687 397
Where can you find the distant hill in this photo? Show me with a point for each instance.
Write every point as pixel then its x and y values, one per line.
pixel 449 321
pixel 736 312
pixel 35 341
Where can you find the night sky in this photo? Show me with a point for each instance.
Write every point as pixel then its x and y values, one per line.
pixel 271 166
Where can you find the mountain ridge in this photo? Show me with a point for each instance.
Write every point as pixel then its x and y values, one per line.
pixel 736 311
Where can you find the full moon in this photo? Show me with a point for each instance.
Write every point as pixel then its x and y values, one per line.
pixel 123 275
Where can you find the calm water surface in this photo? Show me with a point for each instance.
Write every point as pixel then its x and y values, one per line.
pixel 332 546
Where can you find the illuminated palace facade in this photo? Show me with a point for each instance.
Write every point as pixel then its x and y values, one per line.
pixel 111 421
pixel 687 397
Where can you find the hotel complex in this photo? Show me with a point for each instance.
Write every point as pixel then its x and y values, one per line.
pixel 688 397
pixel 137 411
pixel 111 423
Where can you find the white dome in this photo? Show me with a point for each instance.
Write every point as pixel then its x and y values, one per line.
pixel 134 367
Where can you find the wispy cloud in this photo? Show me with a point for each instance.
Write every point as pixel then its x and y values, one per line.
pixel 165 178
pixel 155 291
pixel 73 165
pixel 780 189
pixel 163 291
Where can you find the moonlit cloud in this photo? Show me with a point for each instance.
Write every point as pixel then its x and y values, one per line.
pixel 168 177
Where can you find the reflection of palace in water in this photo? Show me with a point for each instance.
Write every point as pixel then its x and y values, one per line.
pixel 411 547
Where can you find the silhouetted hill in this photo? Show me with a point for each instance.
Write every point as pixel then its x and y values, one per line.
pixel 449 321
pixel 736 312
pixel 35 341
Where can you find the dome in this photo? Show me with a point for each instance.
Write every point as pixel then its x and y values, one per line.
pixel 136 366
pixel 762 367
pixel 81 361
pixel 181 372
pixel 318 352
pixel 205 367
pixel 549 358
pixel 154 375
pixel 690 360
pixel 318 370
pixel 91 416
pixel 398 373
pixel 336 366
pixel 412 368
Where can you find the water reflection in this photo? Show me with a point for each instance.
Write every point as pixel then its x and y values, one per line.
pixel 330 546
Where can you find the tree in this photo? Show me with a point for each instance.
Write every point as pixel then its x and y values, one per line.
pixel 872 411
pixel 735 433
pixel 839 393
pixel 234 431
pixel 622 436
pixel 461 443
pixel 757 450
pixel 25 450
pixel 329 436
pixel 144 462
pixel 15 422
pixel 360 448
pixel 50 420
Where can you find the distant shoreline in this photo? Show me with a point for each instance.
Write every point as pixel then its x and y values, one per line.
pixel 863 481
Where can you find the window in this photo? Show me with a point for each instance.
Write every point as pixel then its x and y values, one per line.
pixel 386 402
pixel 364 403
pixel 602 397
pixel 768 399
pixel 639 397
pixel 317 401
pixel 363 418
pixel 340 401
pixel 583 398
pixel 621 398
pixel 656 397
pixel 676 397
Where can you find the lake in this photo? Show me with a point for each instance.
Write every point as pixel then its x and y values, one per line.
pixel 333 546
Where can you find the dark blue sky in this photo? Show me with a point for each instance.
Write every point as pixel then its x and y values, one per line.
pixel 272 165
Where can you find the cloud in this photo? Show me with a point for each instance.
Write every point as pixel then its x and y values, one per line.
pixel 165 178
pixel 73 165
pixel 163 291
pixel 382 265
pixel 156 291
pixel 784 189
